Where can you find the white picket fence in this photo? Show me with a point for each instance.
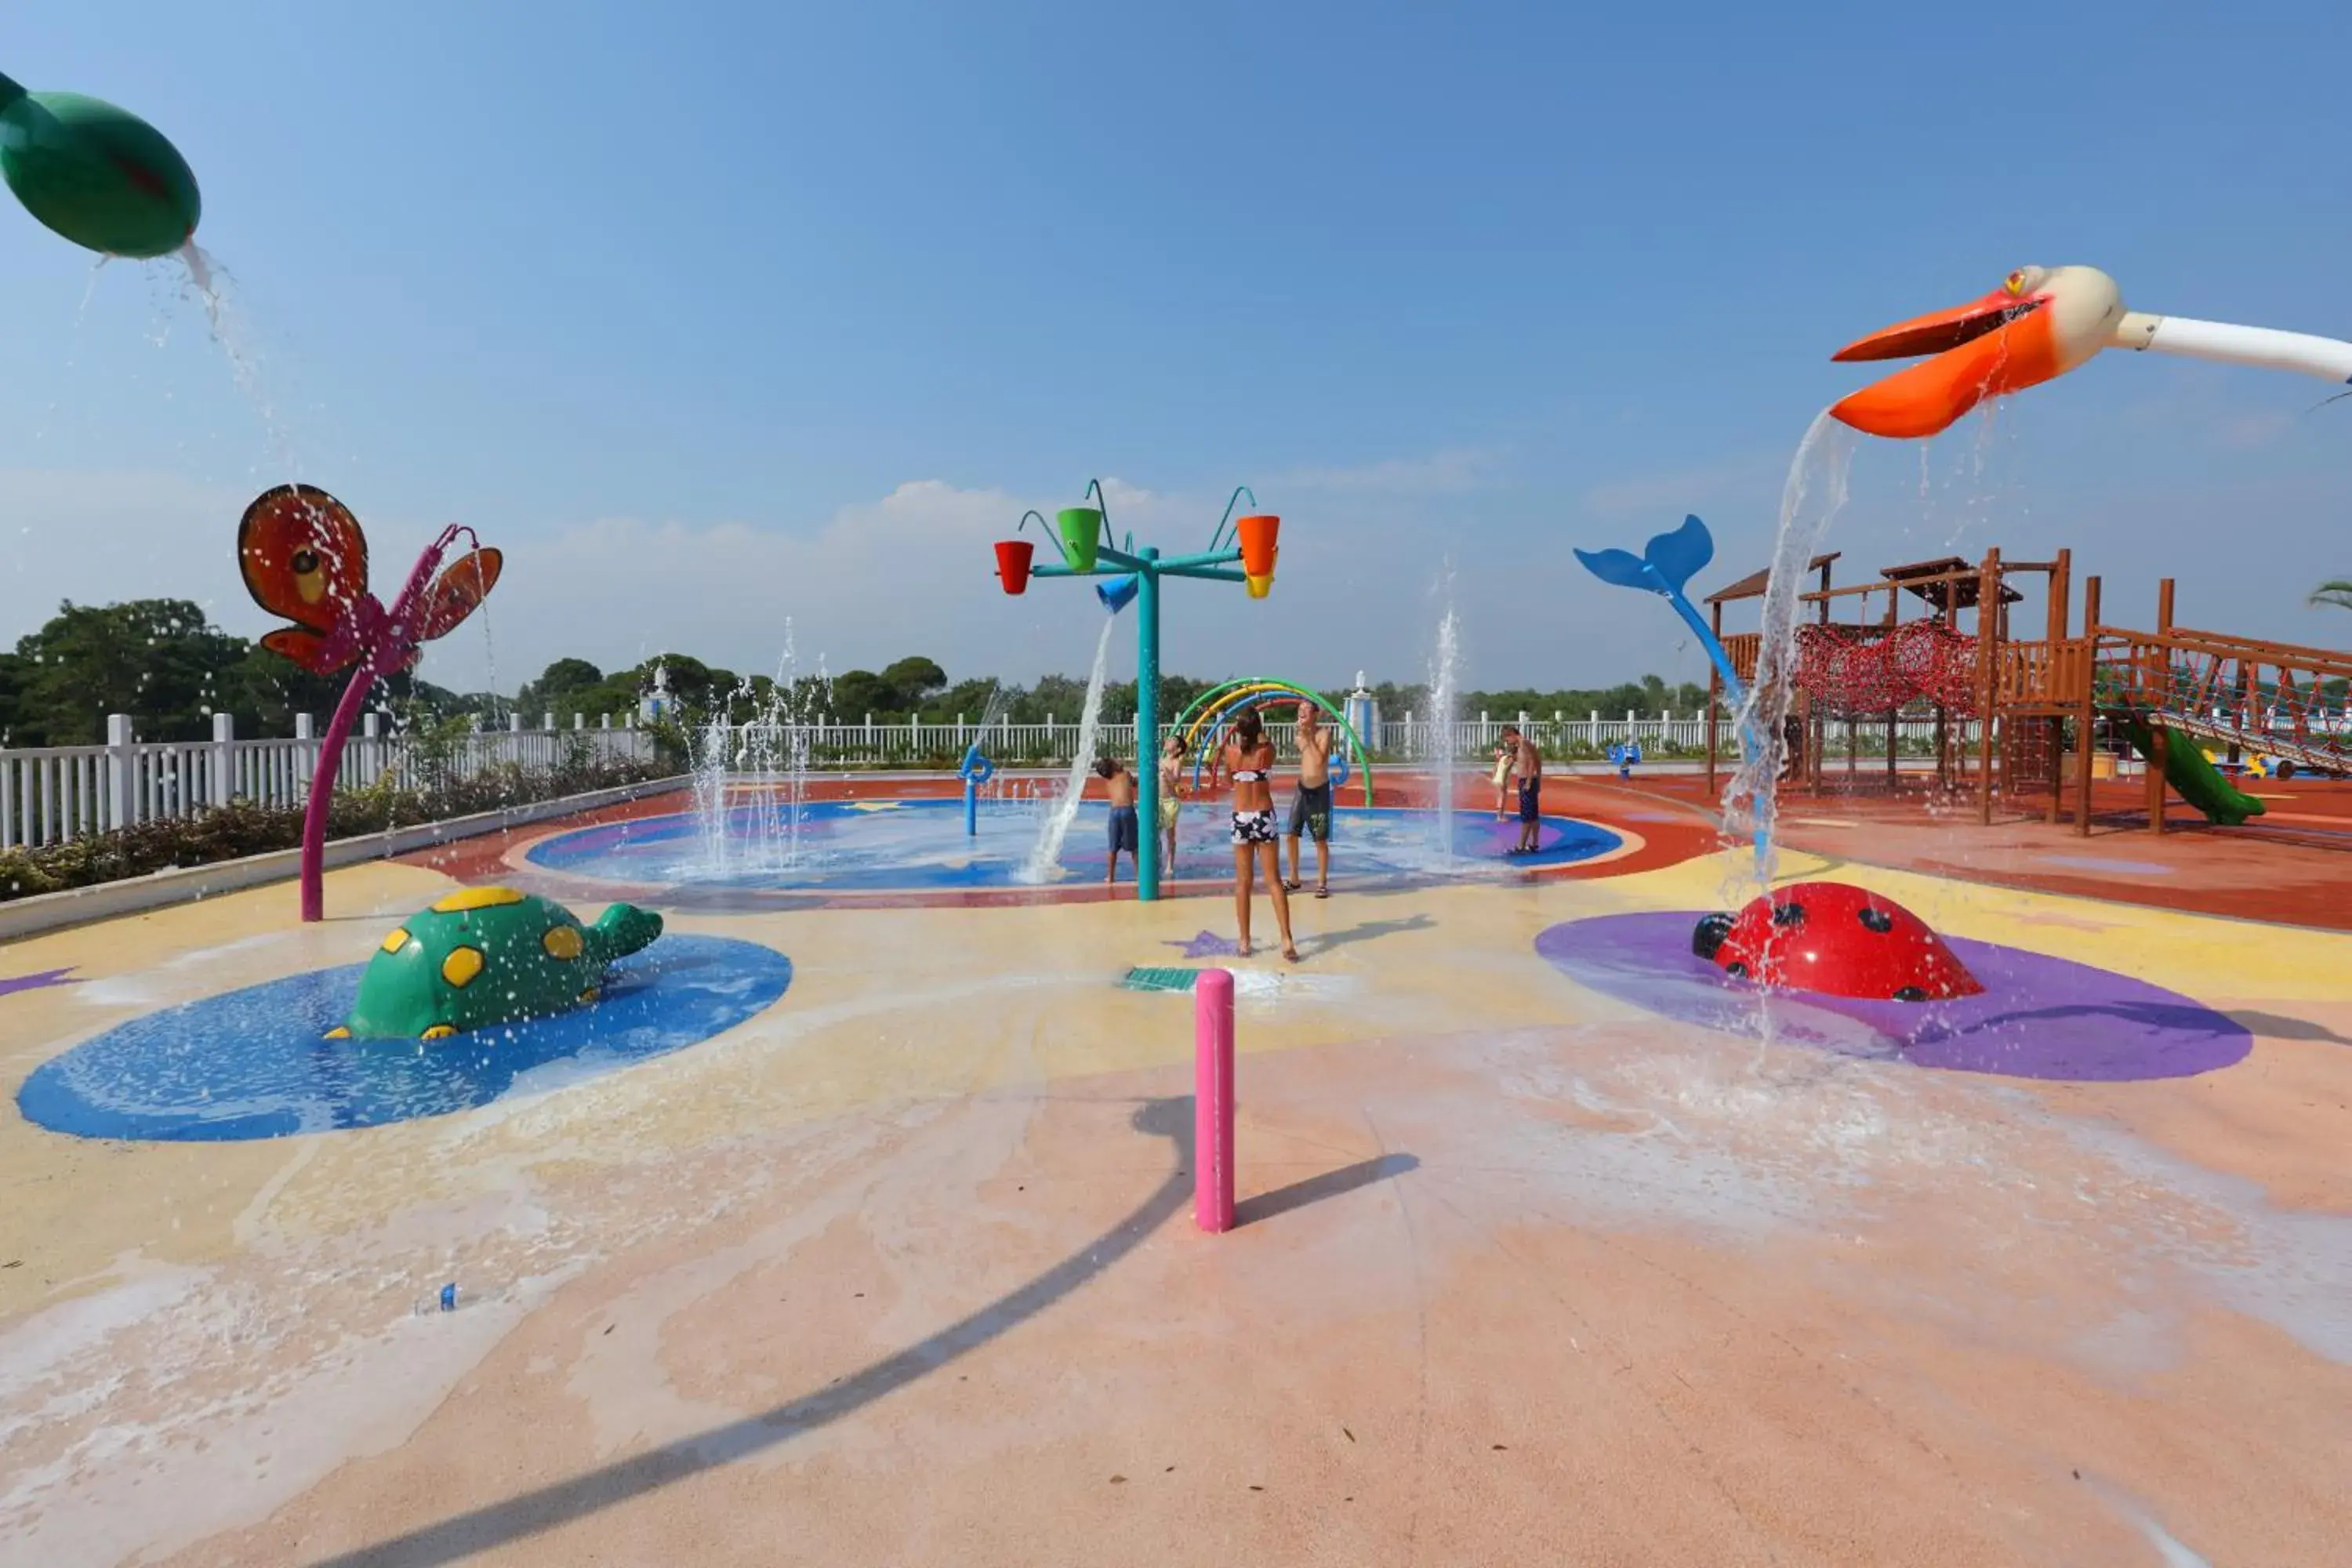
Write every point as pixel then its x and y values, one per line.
pixel 49 795
pixel 833 742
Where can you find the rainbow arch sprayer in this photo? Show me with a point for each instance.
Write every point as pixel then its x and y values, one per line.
pixel 1202 724
pixel 2041 322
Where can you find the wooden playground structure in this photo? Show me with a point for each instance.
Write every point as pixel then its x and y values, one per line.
pixel 1934 640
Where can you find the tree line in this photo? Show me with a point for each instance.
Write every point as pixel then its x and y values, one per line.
pixel 163 662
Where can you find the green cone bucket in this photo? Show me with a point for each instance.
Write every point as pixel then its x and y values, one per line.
pixel 1081 529
pixel 100 175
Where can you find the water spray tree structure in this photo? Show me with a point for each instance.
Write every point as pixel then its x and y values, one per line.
pixel 1242 550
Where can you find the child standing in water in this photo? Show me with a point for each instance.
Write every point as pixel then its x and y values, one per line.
pixel 1505 754
pixel 1172 789
pixel 1125 831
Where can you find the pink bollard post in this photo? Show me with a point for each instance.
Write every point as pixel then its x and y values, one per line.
pixel 1212 1100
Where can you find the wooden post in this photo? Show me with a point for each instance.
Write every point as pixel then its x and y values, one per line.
pixel 2055 636
pixel 2162 749
pixel 1713 699
pixel 2086 719
pixel 1988 628
pixel 1894 714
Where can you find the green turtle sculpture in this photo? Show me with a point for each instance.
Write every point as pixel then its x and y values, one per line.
pixel 488 955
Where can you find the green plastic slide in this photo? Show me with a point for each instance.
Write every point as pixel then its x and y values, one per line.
pixel 2195 779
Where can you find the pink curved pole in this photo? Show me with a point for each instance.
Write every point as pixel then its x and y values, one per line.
pixel 323 790
pixel 390 648
pixel 1212 1100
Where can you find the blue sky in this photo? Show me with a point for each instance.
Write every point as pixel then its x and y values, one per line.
pixel 714 314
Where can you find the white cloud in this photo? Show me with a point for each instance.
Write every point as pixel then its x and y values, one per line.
pixel 910 572
pixel 95 538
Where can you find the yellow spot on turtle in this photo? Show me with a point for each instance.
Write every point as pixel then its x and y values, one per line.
pixel 561 942
pixel 462 964
pixel 476 898
pixel 438 1032
pixel 396 938
pixel 339 1033
pixel 590 994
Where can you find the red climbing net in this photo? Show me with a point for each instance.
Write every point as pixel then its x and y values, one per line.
pixel 1850 671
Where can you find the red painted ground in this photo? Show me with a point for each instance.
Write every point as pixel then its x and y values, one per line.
pixel 2292 865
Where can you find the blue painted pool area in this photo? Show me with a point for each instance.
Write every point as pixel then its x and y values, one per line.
pixel 875 845
pixel 254 1063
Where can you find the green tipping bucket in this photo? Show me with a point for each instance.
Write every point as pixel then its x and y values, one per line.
pixel 1081 529
pixel 100 175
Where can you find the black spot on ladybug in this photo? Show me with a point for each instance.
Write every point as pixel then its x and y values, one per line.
pixel 1909 994
pixel 1788 914
pixel 1876 920
pixel 1735 967
pixel 1709 935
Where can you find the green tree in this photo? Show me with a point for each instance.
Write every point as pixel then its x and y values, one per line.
pixel 913 681
pixel 159 660
pixel 558 689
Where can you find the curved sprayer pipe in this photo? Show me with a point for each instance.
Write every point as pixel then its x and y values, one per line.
pixel 1217 540
pixel 2265 347
pixel 1102 505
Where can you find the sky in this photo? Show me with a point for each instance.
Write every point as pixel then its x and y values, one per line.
pixel 718 317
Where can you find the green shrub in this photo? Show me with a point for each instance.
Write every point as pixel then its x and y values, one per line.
pixel 241 828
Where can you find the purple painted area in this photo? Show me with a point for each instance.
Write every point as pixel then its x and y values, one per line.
pixel 1208 945
pixel 2039 1016
pixel 14 983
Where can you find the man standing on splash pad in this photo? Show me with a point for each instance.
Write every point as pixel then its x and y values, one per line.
pixel 1527 771
pixel 1311 808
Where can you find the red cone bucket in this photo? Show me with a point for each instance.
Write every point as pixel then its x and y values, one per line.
pixel 1257 536
pixel 1013 557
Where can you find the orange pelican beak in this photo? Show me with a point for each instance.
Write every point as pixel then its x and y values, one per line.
pixel 2039 324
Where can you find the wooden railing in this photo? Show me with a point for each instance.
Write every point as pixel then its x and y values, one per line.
pixel 2276 699
pixel 2042 674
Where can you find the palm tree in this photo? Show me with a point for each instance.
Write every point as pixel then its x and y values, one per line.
pixel 2338 593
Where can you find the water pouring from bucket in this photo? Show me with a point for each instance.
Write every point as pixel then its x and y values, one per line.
pixel 100 175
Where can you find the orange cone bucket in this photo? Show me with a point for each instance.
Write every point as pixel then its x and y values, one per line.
pixel 1257 536
pixel 1013 557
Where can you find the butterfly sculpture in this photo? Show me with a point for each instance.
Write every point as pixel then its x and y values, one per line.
pixel 303 557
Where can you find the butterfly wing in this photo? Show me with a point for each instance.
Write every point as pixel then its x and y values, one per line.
pixel 306 648
pixel 303 556
pixel 463 584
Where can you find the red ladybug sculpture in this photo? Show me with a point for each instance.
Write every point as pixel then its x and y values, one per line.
pixel 1837 940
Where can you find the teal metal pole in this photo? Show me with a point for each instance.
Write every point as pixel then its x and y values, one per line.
pixel 1146 724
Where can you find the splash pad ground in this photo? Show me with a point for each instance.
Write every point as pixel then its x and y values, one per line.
pixel 914 844
pixel 899 1270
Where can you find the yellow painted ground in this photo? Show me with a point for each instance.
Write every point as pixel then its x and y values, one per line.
pixel 888 1006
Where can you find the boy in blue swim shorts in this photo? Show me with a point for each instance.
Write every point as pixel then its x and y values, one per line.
pixel 1125 832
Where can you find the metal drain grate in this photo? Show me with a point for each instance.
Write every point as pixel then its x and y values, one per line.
pixel 1144 979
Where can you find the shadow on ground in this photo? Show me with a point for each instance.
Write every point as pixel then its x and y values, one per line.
pixel 499 1524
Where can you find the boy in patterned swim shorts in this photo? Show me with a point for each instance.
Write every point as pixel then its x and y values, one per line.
pixel 1311 808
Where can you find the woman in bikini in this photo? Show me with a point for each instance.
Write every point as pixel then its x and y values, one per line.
pixel 1248 759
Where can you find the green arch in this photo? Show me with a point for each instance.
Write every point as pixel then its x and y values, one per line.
pixel 1212 703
